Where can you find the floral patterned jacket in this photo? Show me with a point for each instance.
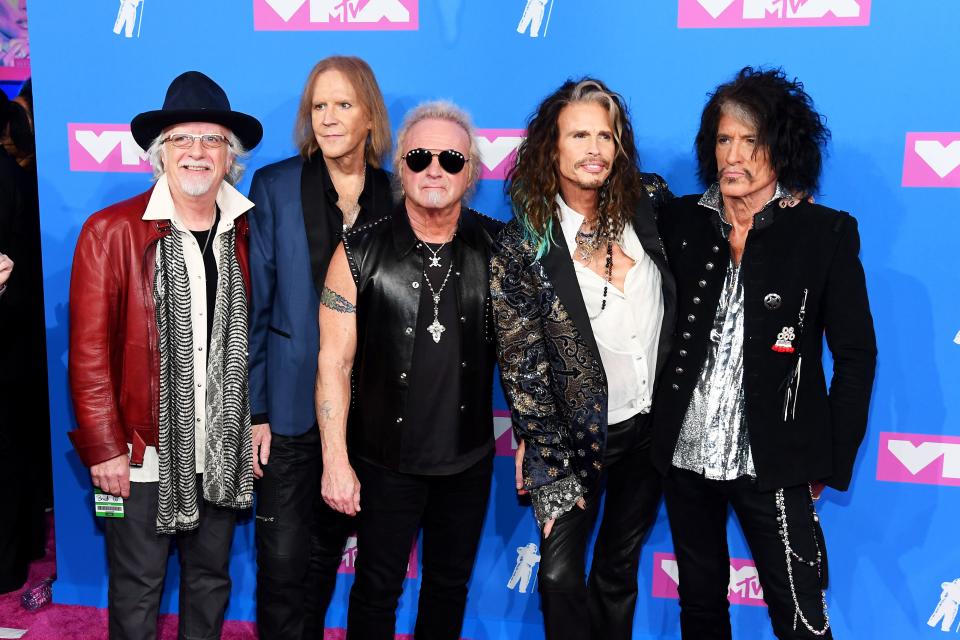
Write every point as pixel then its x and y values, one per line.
pixel 550 367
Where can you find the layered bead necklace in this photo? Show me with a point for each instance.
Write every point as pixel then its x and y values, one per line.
pixel 587 244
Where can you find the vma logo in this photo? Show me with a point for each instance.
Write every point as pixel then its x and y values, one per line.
pixel 336 15
pixel 105 147
pixel 348 560
pixel 127 20
pixel 533 17
pixel 744 582
pixel 504 441
pixel 932 160
pixel 712 14
pixel 498 151
pixel 525 570
pixel 946 610
pixel 917 458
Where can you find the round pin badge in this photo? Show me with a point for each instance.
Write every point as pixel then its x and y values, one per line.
pixel 772 301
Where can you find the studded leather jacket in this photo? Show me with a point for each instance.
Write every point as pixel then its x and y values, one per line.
pixel 387 269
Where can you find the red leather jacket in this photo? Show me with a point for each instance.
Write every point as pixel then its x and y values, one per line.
pixel 114 358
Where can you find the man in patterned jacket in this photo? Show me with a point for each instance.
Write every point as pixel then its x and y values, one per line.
pixel 584 309
pixel 158 361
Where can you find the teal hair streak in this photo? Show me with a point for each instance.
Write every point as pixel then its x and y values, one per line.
pixel 539 239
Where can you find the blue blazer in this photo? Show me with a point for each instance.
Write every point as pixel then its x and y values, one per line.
pixel 294 229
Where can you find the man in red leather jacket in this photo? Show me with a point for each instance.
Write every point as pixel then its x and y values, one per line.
pixel 158 363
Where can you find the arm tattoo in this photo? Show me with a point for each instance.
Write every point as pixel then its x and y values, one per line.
pixel 325 412
pixel 333 300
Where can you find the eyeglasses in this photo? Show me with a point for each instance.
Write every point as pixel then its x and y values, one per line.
pixel 451 161
pixel 186 140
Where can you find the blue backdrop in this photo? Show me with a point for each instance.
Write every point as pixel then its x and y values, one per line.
pixel 885 76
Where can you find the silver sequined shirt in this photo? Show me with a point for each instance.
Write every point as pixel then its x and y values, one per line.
pixel 714 439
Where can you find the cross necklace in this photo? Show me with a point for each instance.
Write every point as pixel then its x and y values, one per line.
pixel 435 328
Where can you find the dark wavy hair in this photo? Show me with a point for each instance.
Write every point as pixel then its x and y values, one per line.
pixel 533 182
pixel 786 122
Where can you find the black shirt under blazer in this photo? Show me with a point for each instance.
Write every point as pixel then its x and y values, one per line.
pixel 806 247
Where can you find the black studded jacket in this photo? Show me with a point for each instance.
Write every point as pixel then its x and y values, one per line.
pixel 799 431
pixel 387 268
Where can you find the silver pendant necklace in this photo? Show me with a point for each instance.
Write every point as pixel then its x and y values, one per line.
pixel 435 328
pixel 435 255
pixel 216 219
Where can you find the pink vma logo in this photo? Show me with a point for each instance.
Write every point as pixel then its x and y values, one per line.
pixel 498 151
pixel 336 15
pixel 918 458
pixel 712 14
pixel 503 433
pixel 104 147
pixel 349 559
pixel 932 160
pixel 744 582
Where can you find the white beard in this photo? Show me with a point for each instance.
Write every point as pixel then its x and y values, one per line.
pixel 196 185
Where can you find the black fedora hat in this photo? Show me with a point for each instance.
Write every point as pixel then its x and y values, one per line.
pixel 193 97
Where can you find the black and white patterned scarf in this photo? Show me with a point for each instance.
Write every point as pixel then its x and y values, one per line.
pixel 228 466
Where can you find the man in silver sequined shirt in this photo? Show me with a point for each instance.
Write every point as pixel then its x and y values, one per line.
pixel 743 417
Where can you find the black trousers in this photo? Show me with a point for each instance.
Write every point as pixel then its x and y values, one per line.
pixel 299 541
pixel 137 559
pixel 603 608
pixel 24 477
pixel 450 509
pixel 697 509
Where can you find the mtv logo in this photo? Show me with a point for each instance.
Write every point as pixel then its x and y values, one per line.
pixel 506 444
pixel 744 587
pixel 714 14
pixel 348 560
pixel 336 15
pixel 918 458
pixel 932 160
pixel 498 151
pixel 105 147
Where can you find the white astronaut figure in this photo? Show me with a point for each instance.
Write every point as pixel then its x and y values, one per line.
pixel 126 17
pixel 946 611
pixel 532 17
pixel 527 558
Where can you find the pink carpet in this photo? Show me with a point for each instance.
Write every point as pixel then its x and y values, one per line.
pixel 66 622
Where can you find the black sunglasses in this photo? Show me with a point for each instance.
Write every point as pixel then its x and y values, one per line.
pixel 419 159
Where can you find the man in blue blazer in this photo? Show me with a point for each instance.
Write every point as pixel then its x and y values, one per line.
pixel 303 206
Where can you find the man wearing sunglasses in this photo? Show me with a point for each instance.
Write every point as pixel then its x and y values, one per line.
pixel 584 309
pixel 158 361
pixel 405 308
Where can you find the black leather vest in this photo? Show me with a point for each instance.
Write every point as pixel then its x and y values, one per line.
pixel 387 268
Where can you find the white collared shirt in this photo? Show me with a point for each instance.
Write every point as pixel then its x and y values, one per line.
pixel 160 207
pixel 627 331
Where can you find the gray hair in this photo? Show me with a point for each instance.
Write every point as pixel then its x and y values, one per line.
pixel 437 110
pixel 236 151
pixel 739 111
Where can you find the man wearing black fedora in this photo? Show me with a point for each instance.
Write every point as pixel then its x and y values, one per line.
pixel 158 361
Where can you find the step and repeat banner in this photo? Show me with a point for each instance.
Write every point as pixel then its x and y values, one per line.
pixel 884 73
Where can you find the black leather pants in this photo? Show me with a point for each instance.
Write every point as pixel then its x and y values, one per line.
pixel 602 608
pixel 299 541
